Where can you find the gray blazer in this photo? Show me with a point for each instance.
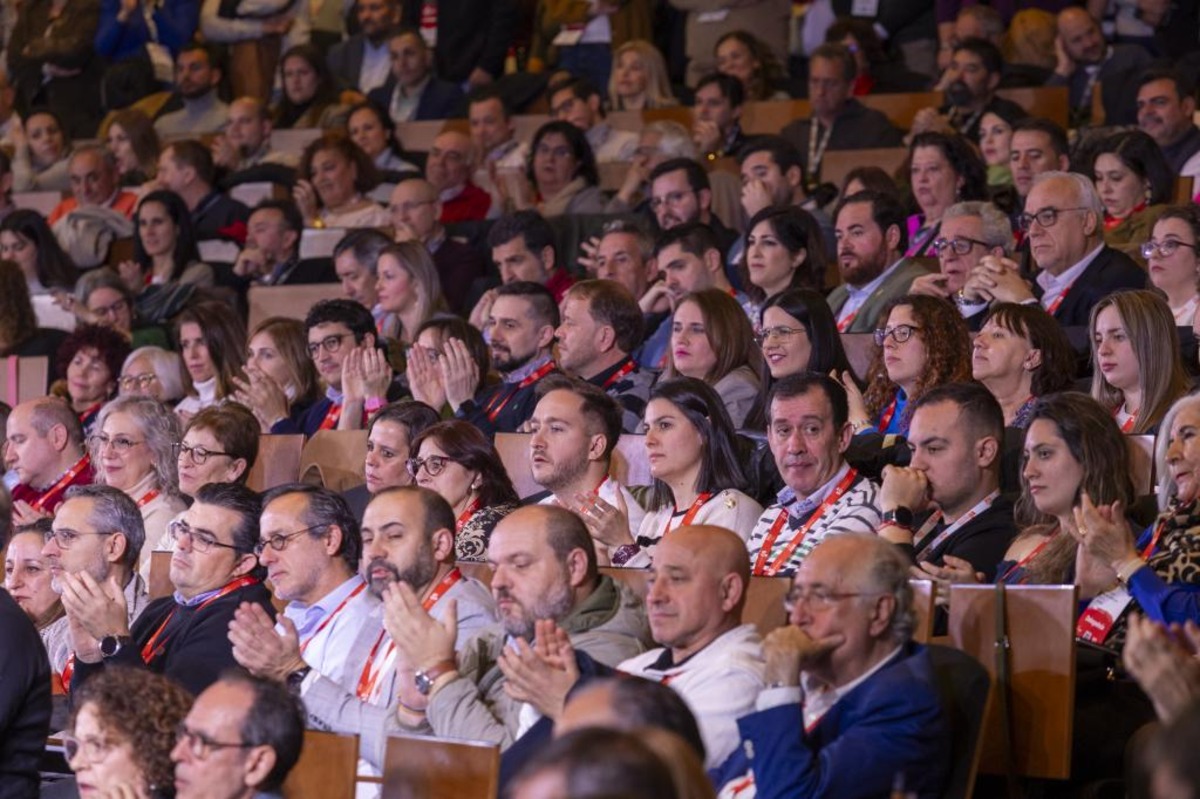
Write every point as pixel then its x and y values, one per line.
pixel 895 285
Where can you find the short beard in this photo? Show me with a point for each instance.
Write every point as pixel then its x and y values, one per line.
pixel 863 271
pixel 513 363
pixel 562 475
pixel 418 574
pixel 555 606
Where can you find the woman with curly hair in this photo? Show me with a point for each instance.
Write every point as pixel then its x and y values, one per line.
pixel 921 342
pixel 943 169
pixel 457 461
pixel 1137 370
pixel 639 78
pixel 121 733
pixel 335 177
pixel 27 240
pixel 133 450
pixel 91 359
pixel 212 339
pixel 744 56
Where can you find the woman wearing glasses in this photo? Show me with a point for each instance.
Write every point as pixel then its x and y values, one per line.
pixel 280 379
pixel 921 342
pixel 153 372
pixel 457 461
pixel 711 340
pixel 212 340
pixel 799 334
pixel 1137 371
pixel 561 177
pixel 91 359
pixel 1174 263
pixel 220 445
pixel 1021 354
pixel 121 733
pixel 102 298
pixel 783 251
pixel 134 451
pixel 1133 181
pixel 943 169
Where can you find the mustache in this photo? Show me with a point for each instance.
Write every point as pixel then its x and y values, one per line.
pixel 393 575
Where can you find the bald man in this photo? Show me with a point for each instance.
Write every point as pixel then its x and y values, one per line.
pixel 697 593
pixel 46 451
pixel 448 168
pixel 1086 64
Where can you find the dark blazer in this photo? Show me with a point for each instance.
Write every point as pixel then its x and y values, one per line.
pixel 25 704
pixel 459 265
pixel 197 647
pixel 893 722
pixel 345 61
pixel 1110 271
pixel 470 34
pixel 856 128
pixel 1117 82
pixel 440 99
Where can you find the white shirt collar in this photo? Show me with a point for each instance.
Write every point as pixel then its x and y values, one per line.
pixel 1053 287
pixel 819 698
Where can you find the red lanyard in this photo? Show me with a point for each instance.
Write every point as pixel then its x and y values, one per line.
pixel 62 483
pixel 845 323
pixel 150 651
pixel 466 515
pixel 1031 555
pixel 1053 307
pixel 493 410
pixel 760 563
pixel 1158 531
pixel 369 676
pixel 89 413
pixel 616 376
pixel 148 497
pixel 691 513
pixel 885 418
pixel 979 508
pixel 331 417
pixel 329 619
pixel 67 672
pixel 1130 421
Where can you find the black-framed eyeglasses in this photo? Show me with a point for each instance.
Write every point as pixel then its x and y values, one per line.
pixel 142 381
pixel 330 344
pixel 671 198
pixel 1165 248
pixel 112 309
pixel 433 465
pixel 198 454
pixel 961 245
pixel 819 598
pixel 200 745
pixel 201 540
pixel 1045 217
pixel 898 334
pixel 280 542
pixel 65 537
pixel 781 332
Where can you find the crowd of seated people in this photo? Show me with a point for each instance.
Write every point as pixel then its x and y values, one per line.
pixel 591 324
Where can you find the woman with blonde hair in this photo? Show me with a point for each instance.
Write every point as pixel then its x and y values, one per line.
pixel 639 78
pixel 408 286
pixel 1137 370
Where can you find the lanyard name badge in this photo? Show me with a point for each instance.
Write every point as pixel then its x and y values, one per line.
pixel 979 508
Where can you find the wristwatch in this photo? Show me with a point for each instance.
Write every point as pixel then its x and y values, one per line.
pixel 110 645
pixel 900 516
pixel 425 678
pixel 294 680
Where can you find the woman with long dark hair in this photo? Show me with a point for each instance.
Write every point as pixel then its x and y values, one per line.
pixel 27 241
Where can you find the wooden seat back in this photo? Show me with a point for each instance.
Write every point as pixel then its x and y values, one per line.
pixel 924 597
pixel 41 201
pixel 327 768
pixel 278 461
pixel 334 459
pixel 23 379
pixel 1041 635
pixel 159 585
pixel 422 767
pixel 290 302
pixel 838 163
pixel 629 464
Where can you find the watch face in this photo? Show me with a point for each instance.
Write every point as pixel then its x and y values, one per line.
pixel 109 645
pixel 424 684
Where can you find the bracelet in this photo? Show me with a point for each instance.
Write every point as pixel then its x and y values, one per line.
pixel 1127 568
pixel 374 404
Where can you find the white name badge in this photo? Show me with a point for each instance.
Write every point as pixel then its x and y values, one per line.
pixel 1102 613
pixel 568 36
pixel 713 16
pixel 864 8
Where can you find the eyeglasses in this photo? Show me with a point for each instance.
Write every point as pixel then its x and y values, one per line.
pixel 1045 217
pixel 142 381
pixel 92 748
pixel 433 465
pixel 330 344
pixel 781 332
pixel 201 540
pixel 1165 248
pixel 199 455
pixel 110 310
pixel 960 244
pixel 200 745
pixel 671 198
pixel 121 444
pixel 280 542
pixel 65 537
pixel 898 334
pixel 819 598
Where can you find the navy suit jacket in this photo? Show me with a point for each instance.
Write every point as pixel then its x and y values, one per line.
pixel 892 723
pixel 440 100
pixel 1111 270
